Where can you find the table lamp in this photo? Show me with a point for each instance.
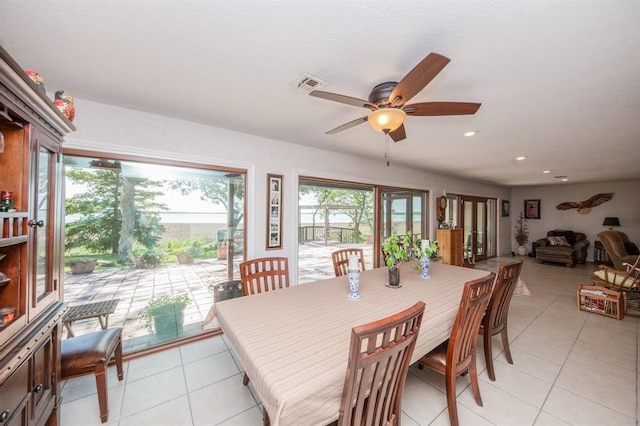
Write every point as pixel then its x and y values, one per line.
pixel 610 222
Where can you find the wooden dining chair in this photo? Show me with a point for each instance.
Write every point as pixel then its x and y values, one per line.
pixel 495 319
pixel 264 274
pixel 379 359
pixel 457 355
pixel 341 260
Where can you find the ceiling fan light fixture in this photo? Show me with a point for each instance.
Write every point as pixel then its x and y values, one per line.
pixel 385 120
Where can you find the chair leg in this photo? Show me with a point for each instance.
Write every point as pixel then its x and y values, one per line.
pixel 245 379
pixel 488 354
pixel 452 404
pixel 473 373
pixel 118 356
pixel 101 384
pixel 505 344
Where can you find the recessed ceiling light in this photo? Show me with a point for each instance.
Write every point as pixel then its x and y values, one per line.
pixel 547 171
pixel 520 158
pixel 565 179
pixel 471 133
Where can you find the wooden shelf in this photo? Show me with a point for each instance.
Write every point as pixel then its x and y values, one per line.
pixel 601 301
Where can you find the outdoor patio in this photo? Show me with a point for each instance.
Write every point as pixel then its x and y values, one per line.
pixel 135 287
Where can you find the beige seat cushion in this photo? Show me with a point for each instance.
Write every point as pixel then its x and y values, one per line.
pixel 618 279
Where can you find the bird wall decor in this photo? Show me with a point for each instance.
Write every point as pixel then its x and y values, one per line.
pixel 584 207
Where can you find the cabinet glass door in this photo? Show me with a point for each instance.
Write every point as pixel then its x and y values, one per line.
pixel 41 228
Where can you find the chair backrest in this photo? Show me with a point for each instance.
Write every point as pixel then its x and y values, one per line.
pixel 341 260
pixel 613 243
pixel 264 274
pixel 379 360
pixel 495 318
pixel 464 336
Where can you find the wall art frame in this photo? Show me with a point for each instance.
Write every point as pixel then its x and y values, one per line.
pixel 505 208
pixel 274 211
pixel 532 209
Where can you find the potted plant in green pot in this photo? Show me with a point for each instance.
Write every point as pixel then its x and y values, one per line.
pixel 521 234
pixel 165 315
pixel 396 249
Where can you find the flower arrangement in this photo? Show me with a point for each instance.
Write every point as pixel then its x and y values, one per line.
pixel 521 233
pixel 430 250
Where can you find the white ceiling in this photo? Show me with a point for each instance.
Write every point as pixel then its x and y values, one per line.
pixel 559 81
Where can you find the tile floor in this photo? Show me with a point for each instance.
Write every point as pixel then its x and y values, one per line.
pixel 570 368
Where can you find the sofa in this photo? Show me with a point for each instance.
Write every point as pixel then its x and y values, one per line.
pixel 561 246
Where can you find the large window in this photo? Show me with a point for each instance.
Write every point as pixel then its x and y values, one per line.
pixel 332 215
pixel 155 237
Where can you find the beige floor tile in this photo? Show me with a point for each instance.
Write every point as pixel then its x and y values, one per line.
pixel 209 370
pixel 598 351
pixel 531 364
pixel 465 417
pixel 581 383
pixel 577 410
pixel 220 401
pixel 421 401
pixel 499 407
pixel 175 413
pixel 603 372
pixel 538 345
pixel 152 364
pixel 86 412
pixel 523 386
pixel 546 419
pixel 153 390
pixel 251 417
pixel 202 349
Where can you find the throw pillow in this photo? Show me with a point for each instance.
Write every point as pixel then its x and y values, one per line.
pixel 558 241
pixel 569 235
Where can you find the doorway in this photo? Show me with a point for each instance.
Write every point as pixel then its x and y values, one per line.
pixel 478 221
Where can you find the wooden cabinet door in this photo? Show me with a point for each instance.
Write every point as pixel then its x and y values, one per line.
pixel 42 379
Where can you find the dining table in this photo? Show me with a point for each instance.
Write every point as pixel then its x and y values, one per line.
pixel 293 343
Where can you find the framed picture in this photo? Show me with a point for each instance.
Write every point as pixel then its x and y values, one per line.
pixel 505 208
pixel 532 209
pixel 274 211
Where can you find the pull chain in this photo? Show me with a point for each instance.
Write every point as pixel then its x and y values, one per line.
pixel 386 148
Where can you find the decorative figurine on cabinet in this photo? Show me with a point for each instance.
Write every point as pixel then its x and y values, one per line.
pixel 64 102
pixel 36 78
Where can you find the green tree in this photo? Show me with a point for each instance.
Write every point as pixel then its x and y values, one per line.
pixel 218 190
pixel 109 204
pixel 357 205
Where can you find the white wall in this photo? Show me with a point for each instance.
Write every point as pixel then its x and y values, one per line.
pixel 625 205
pixel 112 129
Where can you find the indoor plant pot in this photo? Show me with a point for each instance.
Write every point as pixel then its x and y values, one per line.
pixel 397 249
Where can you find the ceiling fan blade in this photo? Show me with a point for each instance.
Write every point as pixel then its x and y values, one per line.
pixel 343 99
pixel 441 108
pixel 348 125
pixel 418 78
pixel 398 134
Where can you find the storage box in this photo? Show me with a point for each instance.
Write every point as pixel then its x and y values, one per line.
pixel 601 300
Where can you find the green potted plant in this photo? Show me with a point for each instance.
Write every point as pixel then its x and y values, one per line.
pixel 165 315
pixel 396 249
pixel 521 234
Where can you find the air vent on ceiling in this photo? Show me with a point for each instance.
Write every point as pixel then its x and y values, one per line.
pixel 310 83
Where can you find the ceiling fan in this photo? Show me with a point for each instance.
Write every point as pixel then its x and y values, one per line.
pixel 387 101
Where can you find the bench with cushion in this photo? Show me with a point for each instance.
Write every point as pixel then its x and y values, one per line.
pixel 90 354
pixel 566 247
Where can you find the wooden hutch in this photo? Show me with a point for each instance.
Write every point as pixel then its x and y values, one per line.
pixel 31 247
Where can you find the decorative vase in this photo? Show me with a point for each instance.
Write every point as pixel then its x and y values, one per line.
pixel 37 79
pixel 394 277
pixel 64 102
pixel 354 285
pixel 425 263
pixel 521 250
